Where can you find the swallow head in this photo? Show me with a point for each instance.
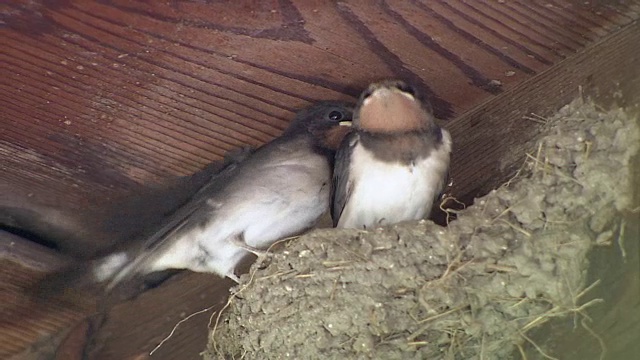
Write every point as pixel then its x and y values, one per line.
pixel 327 121
pixel 392 106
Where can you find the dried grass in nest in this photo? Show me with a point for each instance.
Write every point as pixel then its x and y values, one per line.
pixel 509 264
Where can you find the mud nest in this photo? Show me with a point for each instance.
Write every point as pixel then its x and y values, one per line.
pixel 475 289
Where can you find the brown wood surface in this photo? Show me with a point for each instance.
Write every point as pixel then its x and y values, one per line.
pixel 99 97
pixel 24 320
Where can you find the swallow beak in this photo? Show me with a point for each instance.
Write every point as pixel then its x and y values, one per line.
pixel 345 123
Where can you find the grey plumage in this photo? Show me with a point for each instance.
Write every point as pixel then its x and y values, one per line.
pixel 110 222
pixel 279 191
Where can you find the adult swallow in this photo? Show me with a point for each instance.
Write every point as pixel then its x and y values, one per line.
pixel 394 164
pixel 278 191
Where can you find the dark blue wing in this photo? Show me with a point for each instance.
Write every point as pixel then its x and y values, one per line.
pixel 341 190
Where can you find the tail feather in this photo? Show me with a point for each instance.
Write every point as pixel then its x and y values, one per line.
pixel 111 275
pixel 68 285
pixel 136 239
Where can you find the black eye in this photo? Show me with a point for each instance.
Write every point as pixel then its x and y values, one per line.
pixel 366 94
pixel 406 88
pixel 336 115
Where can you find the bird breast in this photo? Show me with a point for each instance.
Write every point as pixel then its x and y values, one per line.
pixel 386 192
pixel 276 199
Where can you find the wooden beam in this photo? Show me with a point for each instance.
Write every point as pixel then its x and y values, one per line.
pixel 492 139
pixel 98 98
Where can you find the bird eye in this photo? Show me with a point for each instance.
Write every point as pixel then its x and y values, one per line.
pixel 336 115
pixel 406 88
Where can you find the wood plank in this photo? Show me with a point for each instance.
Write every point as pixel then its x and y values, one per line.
pixel 600 69
pixel 98 98
pixel 134 328
pixel 24 320
pixel 134 92
pixel 493 138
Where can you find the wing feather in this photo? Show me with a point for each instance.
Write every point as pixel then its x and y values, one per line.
pixel 341 189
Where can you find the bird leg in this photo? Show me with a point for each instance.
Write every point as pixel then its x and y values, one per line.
pixel 238 241
pixel 233 277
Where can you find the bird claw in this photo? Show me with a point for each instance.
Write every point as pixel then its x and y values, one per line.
pixel 239 242
pixel 234 277
pixel 257 252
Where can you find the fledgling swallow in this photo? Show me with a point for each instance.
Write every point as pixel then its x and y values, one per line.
pixel 278 191
pixel 394 164
pixel 84 235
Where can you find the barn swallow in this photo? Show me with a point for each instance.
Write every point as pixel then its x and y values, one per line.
pixel 280 190
pixel 84 235
pixel 394 163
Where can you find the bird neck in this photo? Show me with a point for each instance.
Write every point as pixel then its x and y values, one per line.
pixel 408 146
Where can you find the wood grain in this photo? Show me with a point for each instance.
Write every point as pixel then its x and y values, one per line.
pixel 607 71
pixel 100 97
pixel 135 91
pixel 23 320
